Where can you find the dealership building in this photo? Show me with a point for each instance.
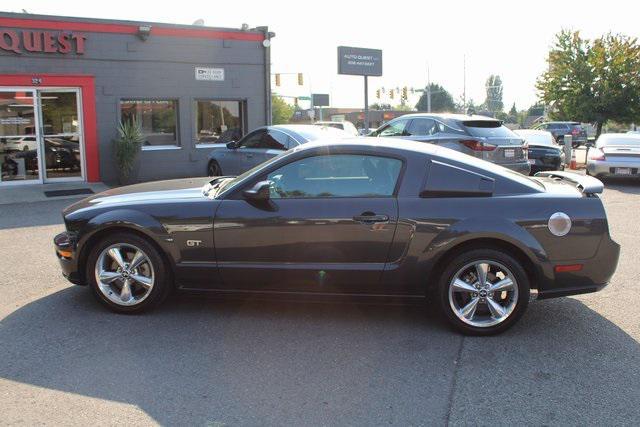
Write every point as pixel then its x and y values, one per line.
pixel 66 84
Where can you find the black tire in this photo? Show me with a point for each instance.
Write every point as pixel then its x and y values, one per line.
pixel 465 258
pixel 162 284
pixel 214 169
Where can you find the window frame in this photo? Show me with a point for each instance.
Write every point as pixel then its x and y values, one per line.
pixel 243 119
pixel 391 123
pixel 264 174
pixel 178 144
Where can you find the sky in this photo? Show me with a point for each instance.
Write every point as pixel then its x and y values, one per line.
pixel 508 38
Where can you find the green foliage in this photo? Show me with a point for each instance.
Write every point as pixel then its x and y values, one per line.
pixel 592 80
pixel 402 107
pixel 512 117
pixel 281 111
pixel 127 146
pixel 493 86
pixel 441 100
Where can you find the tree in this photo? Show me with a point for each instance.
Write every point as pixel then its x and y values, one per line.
pixel 281 111
pixel 441 100
pixel 512 117
pixel 493 86
pixel 592 81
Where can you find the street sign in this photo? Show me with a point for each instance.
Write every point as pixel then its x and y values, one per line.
pixel 359 61
pixel 303 98
pixel 320 99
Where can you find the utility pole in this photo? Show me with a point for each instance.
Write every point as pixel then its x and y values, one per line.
pixel 428 91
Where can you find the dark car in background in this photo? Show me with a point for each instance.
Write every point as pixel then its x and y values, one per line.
pixel 545 154
pixel 560 129
pixel 262 144
pixel 359 219
pixel 478 136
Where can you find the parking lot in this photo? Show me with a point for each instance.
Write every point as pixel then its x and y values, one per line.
pixel 66 360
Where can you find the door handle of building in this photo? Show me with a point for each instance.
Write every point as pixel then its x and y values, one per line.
pixel 370 218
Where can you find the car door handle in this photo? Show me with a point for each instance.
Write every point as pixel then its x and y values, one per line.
pixel 371 218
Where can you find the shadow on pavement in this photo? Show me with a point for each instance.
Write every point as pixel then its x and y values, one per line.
pixel 33 214
pixel 200 362
pixel 196 361
pixel 624 185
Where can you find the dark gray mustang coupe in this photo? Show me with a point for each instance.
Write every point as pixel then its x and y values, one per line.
pixel 359 219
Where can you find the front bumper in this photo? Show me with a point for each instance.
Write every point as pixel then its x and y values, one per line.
pixel 609 167
pixel 594 275
pixel 65 245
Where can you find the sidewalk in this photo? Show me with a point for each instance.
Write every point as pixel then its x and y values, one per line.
pixel 36 192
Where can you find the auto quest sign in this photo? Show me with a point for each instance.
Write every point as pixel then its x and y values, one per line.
pixel 42 41
pixel 359 61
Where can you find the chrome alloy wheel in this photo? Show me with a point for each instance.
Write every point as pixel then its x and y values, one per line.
pixel 124 274
pixel 483 293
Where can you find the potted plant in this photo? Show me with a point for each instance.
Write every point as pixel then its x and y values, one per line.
pixel 127 147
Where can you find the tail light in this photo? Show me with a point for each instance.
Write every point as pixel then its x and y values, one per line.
pixel 475 145
pixel 596 154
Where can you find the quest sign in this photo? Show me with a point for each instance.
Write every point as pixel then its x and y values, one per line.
pixel 42 41
pixel 359 61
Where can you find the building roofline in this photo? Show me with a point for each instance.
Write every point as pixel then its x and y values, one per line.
pixel 52 22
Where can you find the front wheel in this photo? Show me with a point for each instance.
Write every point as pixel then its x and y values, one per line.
pixel 213 169
pixel 127 273
pixel 483 292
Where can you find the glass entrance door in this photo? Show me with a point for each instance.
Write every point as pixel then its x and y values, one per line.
pixel 60 139
pixel 40 135
pixel 19 146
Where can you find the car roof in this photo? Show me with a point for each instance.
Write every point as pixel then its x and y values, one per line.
pixel 531 132
pixel 613 137
pixel 451 116
pixel 305 131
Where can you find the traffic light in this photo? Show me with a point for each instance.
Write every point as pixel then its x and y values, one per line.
pixel 404 93
pixel 277 79
pixel 391 93
pixel 378 93
pixel 300 79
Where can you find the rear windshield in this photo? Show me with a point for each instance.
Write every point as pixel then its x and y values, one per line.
pixel 488 129
pixel 607 140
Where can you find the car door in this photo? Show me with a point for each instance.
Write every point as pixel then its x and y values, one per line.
pixel 327 227
pixel 233 160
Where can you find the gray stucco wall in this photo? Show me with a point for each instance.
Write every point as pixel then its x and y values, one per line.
pixel 160 67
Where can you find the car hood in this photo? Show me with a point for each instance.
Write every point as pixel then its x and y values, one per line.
pixel 175 189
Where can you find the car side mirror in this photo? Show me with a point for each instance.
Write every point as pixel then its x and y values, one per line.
pixel 232 145
pixel 260 191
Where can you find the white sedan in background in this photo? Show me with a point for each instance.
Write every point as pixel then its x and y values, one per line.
pixel 614 154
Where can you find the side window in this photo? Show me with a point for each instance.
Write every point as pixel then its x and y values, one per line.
pixel 396 128
pixel 336 175
pixel 253 140
pixel 275 140
pixel 422 127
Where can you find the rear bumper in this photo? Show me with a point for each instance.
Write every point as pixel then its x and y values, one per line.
pixel 548 164
pixel 65 245
pixel 522 167
pixel 594 275
pixel 608 167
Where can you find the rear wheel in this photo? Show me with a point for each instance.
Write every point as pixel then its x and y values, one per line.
pixel 127 273
pixel 483 292
pixel 213 169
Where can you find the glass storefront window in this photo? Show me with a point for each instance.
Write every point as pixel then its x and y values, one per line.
pixel 158 118
pixel 18 143
pixel 218 121
pixel 59 113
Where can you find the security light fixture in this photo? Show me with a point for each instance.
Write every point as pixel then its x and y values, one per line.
pixel 144 31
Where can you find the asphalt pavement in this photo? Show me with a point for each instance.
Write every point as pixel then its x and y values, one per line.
pixel 64 360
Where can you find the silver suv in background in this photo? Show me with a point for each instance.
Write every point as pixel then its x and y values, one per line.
pixel 478 136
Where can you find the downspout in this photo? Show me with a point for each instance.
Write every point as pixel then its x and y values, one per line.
pixel 266 43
